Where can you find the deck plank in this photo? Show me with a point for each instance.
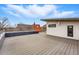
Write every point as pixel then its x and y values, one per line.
pixel 59 50
pixel 62 51
pixel 58 47
pixel 78 48
pixel 68 48
pixel 71 48
pixel 40 44
pixel 53 49
pixel 75 47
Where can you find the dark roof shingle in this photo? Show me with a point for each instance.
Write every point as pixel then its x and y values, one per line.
pixel 62 19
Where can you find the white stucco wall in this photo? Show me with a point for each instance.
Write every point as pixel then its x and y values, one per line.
pixel 61 29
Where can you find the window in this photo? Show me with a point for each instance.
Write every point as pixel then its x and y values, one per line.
pixel 52 25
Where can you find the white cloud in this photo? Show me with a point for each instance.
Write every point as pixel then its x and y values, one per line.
pixel 9 11
pixel 64 14
pixel 13 13
pixel 33 10
pixel 38 11
pixel 18 9
pixel 42 11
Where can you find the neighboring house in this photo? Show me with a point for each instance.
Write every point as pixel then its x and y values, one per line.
pixel 10 29
pixel 26 27
pixel 63 27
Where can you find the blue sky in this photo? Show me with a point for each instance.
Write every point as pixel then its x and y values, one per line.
pixel 30 13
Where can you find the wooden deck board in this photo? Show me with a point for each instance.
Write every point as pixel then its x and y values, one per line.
pixel 62 49
pixel 68 47
pixel 78 48
pixel 40 44
pixel 59 50
pixel 57 47
pixel 71 48
pixel 75 47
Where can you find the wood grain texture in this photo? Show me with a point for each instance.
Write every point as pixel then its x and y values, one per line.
pixel 39 44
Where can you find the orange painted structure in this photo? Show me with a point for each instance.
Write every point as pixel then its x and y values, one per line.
pixel 37 27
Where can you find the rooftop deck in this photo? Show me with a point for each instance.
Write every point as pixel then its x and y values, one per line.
pixel 39 44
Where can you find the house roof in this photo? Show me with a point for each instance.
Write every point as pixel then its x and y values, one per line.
pixel 61 19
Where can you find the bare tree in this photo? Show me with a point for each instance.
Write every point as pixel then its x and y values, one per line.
pixel 3 23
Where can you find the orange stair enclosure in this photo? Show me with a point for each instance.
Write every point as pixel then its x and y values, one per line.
pixel 37 27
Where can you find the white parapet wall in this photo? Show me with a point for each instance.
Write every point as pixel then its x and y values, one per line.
pixel 2 38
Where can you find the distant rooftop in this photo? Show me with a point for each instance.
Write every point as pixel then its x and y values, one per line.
pixel 61 19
